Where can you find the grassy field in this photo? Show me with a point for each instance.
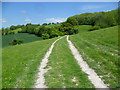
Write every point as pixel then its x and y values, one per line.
pixel 83 28
pixel 6 39
pixel 20 63
pixel 65 72
pixel 100 49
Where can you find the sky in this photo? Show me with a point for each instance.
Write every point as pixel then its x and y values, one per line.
pixel 14 13
pixel 59 0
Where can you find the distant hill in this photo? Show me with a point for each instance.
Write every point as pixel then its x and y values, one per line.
pixel 6 39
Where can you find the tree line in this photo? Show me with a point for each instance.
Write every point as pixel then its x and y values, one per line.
pixel 49 30
pixel 45 30
pixel 100 19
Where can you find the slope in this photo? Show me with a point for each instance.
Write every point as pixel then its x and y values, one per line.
pixel 6 39
pixel 100 50
pixel 20 63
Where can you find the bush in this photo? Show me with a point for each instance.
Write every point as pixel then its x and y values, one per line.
pixel 16 41
pixel 75 30
pixel 94 28
pixel 19 31
pixel 11 32
pixel 45 36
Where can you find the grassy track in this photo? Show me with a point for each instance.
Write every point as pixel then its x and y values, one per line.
pixel 6 39
pixel 20 63
pixel 100 49
pixel 65 71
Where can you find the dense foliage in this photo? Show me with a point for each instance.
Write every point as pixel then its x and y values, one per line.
pixel 102 19
pixel 43 30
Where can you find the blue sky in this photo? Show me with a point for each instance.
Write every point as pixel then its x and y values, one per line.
pixel 14 13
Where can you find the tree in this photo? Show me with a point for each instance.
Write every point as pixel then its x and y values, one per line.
pixel 24 29
pixel 44 24
pixel 12 27
pixel 53 32
pixel 49 23
pixel 53 23
pixel 58 23
pixel 72 21
pixel 45 36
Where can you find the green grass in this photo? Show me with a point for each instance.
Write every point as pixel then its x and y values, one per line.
pixel 6 39
pixel 54 25
pixel 83 28
pixel 0 61
pixel 64 69
pixel 20 63
pixel 100 49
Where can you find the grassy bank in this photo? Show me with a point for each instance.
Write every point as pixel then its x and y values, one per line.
pixel 100 49
pixel 20 63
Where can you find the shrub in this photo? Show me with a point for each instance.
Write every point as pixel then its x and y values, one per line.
pixel 75 30
pixel 11 32
pixel 16 41
pixel 45 36
pixel 19 31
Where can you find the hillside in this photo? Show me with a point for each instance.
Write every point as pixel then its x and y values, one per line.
pixel 98 48
pixel 20 63
pixel 6 39
pixel 81 52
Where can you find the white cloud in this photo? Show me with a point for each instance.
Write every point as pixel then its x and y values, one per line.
pixel 23 11
pixel 55 19
pixel 3 20
pixel 27 20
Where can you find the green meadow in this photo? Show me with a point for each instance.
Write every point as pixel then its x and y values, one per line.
pixel 20 63
pixel 99 49
pixel 95 35
pixel 6 39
